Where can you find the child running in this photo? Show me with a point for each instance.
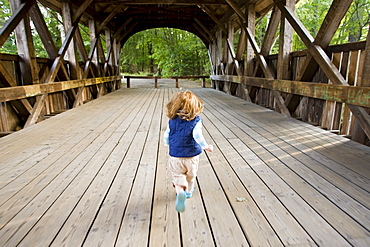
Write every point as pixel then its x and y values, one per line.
pixel 186 142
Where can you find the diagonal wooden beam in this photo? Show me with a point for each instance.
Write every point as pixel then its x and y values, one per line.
pixel 324 62
pixel 45 37
pixel 233 56
pixel 201 32
pixel 40 100
pixel 123 26
pixel 63 49
pixel 110 17
pixel 78 13
pixel 262 61
pixel 127 31
pixel 14 20
pixel 269 38
pixel 211 36
pixel 241 45
pixel 316 51
pixel 23 103
pixel 337 11
pixel 214 18
pixel 43 31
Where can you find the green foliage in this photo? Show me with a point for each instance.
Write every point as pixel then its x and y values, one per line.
pixel 5 13
pixel 354 26
pixel 166 52
pixel 53 22
pixel 170 52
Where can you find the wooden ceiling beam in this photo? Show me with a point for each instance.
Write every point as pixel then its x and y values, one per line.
pixel 166 2
pixel 122 27
pixel 214 18
pixel 109 18
pixel 205 28
pixel 201 31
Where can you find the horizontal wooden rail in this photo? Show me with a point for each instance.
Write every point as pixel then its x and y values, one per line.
pixel 353 95
pixel 21 92
pixel 128 77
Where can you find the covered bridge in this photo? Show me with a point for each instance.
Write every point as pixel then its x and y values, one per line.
pixel 291 160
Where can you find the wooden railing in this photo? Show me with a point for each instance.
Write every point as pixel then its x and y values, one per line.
pixel 353 95
pixel 128 79
pixel 22 92
pixel 318 102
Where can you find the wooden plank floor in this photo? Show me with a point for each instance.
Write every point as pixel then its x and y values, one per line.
pixel 96 176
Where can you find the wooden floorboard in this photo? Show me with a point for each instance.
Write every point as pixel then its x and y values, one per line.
pixel 96 176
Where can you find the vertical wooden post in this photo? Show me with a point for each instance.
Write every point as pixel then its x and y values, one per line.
pixel 177 82
pixel 156 82
pixel 203 82
pixel 93 37
pixel 71 54
pixel 359 134
pixel 251 18
pixel 230 59
pixel 128 81
pixel 285 45
pixel 25 47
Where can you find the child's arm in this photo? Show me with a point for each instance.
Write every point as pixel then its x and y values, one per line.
pixel 166 136
pixel 199 138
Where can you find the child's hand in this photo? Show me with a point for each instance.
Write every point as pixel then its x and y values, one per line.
pixel 209 148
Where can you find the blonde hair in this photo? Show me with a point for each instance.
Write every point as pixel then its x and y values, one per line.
pixel 185 104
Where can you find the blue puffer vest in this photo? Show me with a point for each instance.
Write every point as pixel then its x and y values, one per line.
pixel 182 143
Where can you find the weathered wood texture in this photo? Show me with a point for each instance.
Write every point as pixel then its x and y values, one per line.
pixel 103 180
pixel 320 103
pixel 339 107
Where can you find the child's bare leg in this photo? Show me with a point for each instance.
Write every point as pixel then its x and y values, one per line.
pixel 179 189
pixel 191 182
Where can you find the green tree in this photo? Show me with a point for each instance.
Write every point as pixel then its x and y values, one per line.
pixel 5 13
pixel 169 51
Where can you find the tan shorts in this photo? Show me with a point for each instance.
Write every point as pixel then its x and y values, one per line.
pixel 184 171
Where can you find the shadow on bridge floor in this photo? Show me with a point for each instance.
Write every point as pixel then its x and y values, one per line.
pixel 96 176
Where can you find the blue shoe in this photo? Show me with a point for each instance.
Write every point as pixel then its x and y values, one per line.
pixel 189 194
pixel 180 202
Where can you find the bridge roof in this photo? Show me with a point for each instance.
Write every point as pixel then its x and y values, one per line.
pixel 132 16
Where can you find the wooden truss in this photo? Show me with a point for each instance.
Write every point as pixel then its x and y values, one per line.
pixel 98 74
pixel 316 58
pixel 316 85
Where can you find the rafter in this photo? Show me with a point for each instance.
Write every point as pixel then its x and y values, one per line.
pixel 210 35
pixel 214 18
